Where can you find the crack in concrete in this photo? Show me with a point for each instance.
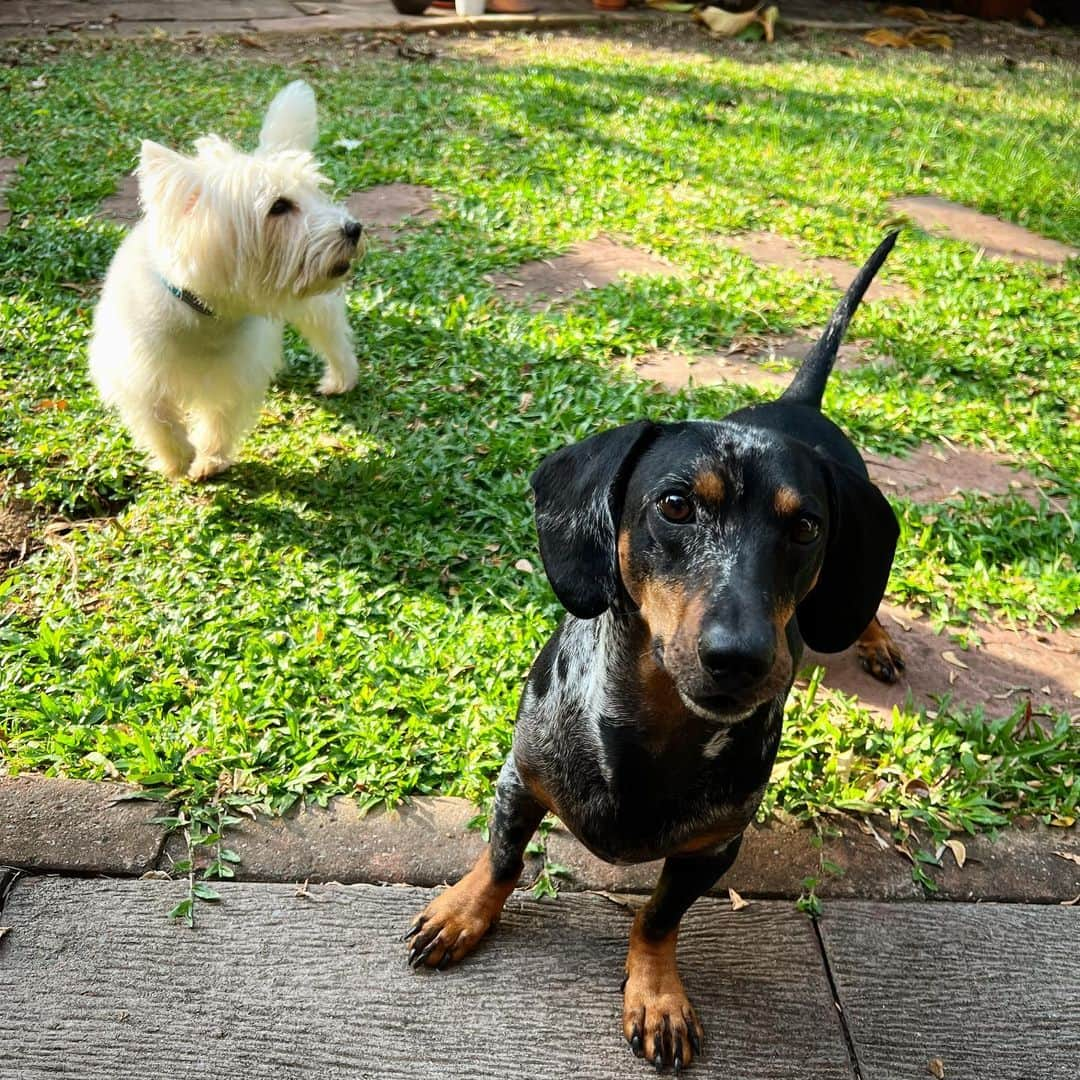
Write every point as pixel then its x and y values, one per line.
pixel 853 1056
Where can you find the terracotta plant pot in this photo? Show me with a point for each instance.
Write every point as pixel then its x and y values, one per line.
pixel 609 5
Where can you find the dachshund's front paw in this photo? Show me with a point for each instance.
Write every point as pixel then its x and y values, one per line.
pixel 658 1020
pixel 456 921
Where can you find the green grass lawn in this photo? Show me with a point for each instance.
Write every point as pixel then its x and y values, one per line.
pixel 342 612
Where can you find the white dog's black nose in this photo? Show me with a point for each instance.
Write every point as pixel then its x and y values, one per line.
pixel 352 231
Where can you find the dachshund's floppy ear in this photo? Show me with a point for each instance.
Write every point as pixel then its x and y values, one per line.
pixel 579 492
pixel 859 553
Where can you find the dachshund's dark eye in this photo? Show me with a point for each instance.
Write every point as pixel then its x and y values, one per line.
pixel 806 529
pixel 281 206
pixel 675 508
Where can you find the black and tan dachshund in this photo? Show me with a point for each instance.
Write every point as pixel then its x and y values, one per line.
pixel 694 559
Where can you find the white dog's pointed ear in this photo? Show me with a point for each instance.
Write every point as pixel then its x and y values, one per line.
pixel 291 121
pixel 168 181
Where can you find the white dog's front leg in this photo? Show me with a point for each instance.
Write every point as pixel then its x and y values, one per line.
pixel 158 427
pixel 323 323
pixel 216 433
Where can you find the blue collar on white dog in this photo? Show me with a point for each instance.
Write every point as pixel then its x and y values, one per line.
pixel 189 298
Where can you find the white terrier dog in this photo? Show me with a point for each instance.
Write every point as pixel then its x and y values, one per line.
pixel 187 334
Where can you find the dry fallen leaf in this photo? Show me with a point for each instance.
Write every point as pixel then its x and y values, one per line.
pixel 951 658
pixel 1070 855
pixel 917 788
pixel 524 566
pixel 251 43
pixel 844 50
pixel 724 23
pixel 886 39
pixel 768 21
pixel 902 11
pixel 927 36
pixel 737 902
pixel 958 850
pixel 936 1067
pixel 1067 821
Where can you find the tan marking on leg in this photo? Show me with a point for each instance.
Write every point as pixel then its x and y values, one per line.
pixel 878 653
pixel 786 501
pixel 658 1019
pixel 455 922
pixel 710 487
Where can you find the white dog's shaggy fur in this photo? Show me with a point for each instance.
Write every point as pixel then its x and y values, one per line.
pixel 188 332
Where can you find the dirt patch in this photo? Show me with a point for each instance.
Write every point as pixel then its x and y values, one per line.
pixel 769 249
pixel 9 166
pixel 122 207
pixel 1008 667
pixel 20 530
pixel 589 265
pixel 934 473
pixel 383 210
pixel 1001 239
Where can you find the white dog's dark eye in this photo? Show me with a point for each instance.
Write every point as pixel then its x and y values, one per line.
pixel 675 508
pixel 281 206
pixel 806 529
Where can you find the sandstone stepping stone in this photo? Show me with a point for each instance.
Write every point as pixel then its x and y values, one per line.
pixel 998 675
pixel 1001 239
pixel 589 265
pixel 744 365
pixel 933 473
pixel 384 209
pixel 676 371
pixel 769 249
pixel 9 166
pixel 122 208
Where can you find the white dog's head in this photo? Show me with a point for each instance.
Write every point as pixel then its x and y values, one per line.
pixel 247 232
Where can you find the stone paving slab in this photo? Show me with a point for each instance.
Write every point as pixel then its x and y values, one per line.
pixel 1001 239
pixel 592 264
pixel 770 249
pixel 122 207
pixel 9 166
pixel 933 473
pixel 98 984
pixel 992 992
pixel 76 825
pixel 1008 667
pixel 383 210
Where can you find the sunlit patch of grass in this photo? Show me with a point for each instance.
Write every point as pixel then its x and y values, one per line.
pixel 342 612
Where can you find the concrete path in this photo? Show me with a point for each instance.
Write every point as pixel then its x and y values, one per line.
pixel 277 982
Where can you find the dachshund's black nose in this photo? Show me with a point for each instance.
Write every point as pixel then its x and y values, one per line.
pixel 353 230
pixel 737 659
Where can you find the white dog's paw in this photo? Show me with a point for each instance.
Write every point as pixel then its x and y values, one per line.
pixel 203 467
pixel 338 381
pixel 173 468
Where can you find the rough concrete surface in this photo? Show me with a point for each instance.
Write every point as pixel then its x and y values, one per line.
pixel 991 992
pixel 97 984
